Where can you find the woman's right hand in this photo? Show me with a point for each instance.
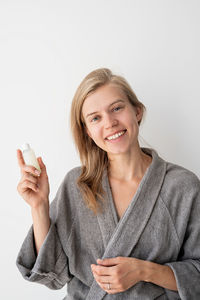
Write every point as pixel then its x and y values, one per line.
pixel 34 189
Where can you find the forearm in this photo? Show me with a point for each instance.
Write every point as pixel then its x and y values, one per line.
pixel 160 275
pixel 41 224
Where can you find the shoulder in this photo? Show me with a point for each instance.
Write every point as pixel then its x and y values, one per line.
pixel 68 191
pixel 73 174
pixel 180 177
pixel 69 183
pixel 180 189
pixel 180 194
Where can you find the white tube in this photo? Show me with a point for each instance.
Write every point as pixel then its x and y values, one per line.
pixel 29 156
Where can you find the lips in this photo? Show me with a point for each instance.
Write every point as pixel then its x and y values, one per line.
pixel 115 133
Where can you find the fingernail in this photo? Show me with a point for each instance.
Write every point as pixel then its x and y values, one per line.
pixel 37 172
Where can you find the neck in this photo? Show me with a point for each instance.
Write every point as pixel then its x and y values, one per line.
pixel 128 166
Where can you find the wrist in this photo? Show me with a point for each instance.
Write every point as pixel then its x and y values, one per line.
pixel 40 205
pixel 150 271
pixel 161 275
pixel 41 210
pixel 144 270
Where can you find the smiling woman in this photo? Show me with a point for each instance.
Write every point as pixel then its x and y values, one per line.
pixel 124 204
pixel 106 106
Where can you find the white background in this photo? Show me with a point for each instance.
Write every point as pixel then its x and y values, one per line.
pixel 46 49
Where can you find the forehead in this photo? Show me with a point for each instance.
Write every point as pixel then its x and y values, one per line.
pixel 102 98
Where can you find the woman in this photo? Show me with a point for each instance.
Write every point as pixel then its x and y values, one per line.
pixel 125 205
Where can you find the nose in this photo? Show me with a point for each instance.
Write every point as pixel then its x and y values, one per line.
pixel 109 121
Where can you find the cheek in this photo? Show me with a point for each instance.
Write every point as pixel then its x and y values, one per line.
pixel 132 124
pixel 94 133
pixel 128 120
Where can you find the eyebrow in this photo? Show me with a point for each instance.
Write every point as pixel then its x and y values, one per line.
pixel 95 112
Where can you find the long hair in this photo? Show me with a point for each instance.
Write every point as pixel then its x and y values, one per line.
pixel 94 160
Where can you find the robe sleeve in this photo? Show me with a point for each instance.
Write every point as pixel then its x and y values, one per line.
pixel 50 267
pixel 187 267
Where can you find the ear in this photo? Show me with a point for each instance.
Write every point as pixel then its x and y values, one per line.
pixel 139 113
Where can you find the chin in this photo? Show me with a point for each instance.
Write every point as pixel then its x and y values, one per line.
pixel 120 150
pixel 115 149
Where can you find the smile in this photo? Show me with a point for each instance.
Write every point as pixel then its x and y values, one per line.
pixel 115 136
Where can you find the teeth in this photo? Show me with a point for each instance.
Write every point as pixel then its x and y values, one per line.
pixel 115 136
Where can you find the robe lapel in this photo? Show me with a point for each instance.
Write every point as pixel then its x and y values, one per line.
pixel 107 219
pixel 120 240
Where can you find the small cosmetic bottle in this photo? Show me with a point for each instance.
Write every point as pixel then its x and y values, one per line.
pixel 29 156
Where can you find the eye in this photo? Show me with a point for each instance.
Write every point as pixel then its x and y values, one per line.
pixel 117 108
pixel 94 119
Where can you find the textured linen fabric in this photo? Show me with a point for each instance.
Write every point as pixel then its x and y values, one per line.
pixel 161 224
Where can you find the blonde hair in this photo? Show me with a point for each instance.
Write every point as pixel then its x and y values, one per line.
pixel 94 160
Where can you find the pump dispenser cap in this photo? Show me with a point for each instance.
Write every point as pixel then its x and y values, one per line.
pixel 25 146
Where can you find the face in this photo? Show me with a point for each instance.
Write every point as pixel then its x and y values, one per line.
pixel 111 120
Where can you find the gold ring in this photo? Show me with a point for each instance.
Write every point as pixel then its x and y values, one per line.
pixel 108 286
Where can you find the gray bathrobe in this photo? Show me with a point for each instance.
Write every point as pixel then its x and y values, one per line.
pixel 161 224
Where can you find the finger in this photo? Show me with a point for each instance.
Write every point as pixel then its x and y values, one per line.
pixel 108 288
pixel 20 158
pixel 109 261
pixel 31 178
pixel 26 169
pixel 100 270
pixel 41 164
pixel 29 185
pixel 103 279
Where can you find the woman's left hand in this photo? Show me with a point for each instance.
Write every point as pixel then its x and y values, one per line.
pixel 115 275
